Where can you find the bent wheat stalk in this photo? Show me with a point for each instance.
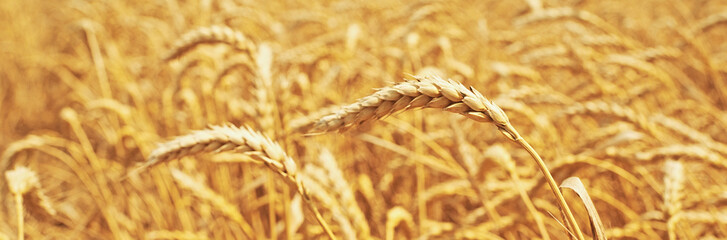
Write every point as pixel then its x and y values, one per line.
pixel 21 181
pixel 435 92
pixel 241 139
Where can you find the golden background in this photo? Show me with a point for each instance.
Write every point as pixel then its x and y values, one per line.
pixel 628 96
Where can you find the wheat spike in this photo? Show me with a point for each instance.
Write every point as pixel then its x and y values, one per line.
pixel 644 66
pixel 704 216
pixel 674 186
pixel 242 139
pixel 425 92
pixel 696 152
pixel 602 40
pixel 598 107
pixel 209 35
pixel 215 139
pixel 509 69
pixel 345 194
pixel 709 21
pixel 394 217
pixel 673 193
pixel 657 52
pixel 689 132
pixel 568 12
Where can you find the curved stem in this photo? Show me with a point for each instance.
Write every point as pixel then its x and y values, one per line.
pixel 309 202
pixel 322 222
pixel 570 219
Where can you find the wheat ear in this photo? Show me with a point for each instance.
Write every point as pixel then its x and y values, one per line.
pixel 209 35
pixel 425 92
pixel 708 22
pixel 673 193
pixel 241 139
pixel 435 92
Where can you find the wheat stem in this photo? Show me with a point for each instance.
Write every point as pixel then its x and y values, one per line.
pixel 19 211
pixel 554 187
pixel 571 220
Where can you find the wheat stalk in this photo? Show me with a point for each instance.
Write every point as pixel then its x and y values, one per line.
pixel 22 181
pixel 241 139
pixel 503 157
pixel 319 185
pixel 206 193
pixel 435 92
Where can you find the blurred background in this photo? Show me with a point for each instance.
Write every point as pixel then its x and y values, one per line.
pixel 629 96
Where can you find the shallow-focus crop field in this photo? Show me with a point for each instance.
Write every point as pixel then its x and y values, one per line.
pixel 378 119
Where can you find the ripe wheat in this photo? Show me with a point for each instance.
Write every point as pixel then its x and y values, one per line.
pixel 229 138
pixel 425 92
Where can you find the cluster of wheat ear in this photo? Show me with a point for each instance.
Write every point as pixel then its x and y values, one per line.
pixel 603 119
pixel 425 91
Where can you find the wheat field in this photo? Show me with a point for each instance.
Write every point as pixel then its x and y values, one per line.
pixel 378 119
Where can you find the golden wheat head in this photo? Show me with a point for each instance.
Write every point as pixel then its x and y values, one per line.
pixel 422 92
